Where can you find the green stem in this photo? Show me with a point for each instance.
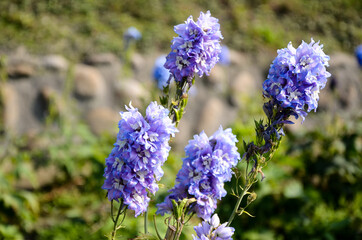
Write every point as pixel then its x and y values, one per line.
pixel 179 231
pixel 170 233
pixel 154 222
pixel 116 220
pixel 145 221
pixel 237 205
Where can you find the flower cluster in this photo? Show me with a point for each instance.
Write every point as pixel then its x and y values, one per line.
pixel 160 73
pixel 206 167
pixel 213 230
pixel 196 49
pixel 134 165
pixel 296 76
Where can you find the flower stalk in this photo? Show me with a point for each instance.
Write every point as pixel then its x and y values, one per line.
pixel 237 205
pixel 121 211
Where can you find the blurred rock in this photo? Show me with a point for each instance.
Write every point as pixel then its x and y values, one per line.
pixel 100 86
pixel 218 78
pixel 138 62
pixel 101 59
pixel 103 120
pixel 110 68
pixel 237 58
pixel 185 128
pixel 44 176
pixel 88 82
pixel 21 67
pixel 244 84
pixel 55 63
pixel 131 90
pixel 52 97
pixel 215 113
pixel 11 108
pixel 217 75
pixel 344 88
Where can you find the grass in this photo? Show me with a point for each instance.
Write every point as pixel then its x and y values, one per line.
pixel 77 27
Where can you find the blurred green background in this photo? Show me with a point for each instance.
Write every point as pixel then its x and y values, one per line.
pixel 313 188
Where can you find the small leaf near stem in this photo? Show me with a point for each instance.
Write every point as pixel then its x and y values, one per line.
pixel 178 105
pixel 180 210
pixel 237 205
pixel 260 153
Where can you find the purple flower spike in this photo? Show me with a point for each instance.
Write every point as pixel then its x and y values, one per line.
pixel 134 165
pixel 206 167
pixel 212 230
pixel 196 49
pixel 296 76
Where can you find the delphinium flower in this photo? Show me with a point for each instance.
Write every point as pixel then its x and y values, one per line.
pixel 196 49
pixel 160 73
pixel 294 80
pixel 358 53
pixel 224 56
pixel 296 77
pixel 130 37
pixel 134 165
pixel 212 230
pixel 132 33
pixel 206 167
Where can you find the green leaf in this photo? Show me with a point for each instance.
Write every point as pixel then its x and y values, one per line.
pixel 175 208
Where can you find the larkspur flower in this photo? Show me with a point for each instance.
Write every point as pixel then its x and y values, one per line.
pixel 160 73
pixel 358 53
pixel 206 167
pixel 196 49
pixel 224 56
pixel 132 33
pixel 134 165
pixel 212 230
pixel 296 76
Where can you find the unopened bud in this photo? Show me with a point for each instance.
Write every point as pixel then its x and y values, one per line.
pixel 185 95
pixel 252 196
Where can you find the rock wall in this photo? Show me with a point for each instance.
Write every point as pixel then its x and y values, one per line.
pixel 99 86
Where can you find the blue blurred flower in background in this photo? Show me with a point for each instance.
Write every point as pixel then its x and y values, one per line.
pixel 160 74
pixel 132 33
pixel 130 36
pixel 358 53
pixel 224 56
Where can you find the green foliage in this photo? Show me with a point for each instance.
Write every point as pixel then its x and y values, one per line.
pixel 50 185
pixel 311 190
pixel 78 27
